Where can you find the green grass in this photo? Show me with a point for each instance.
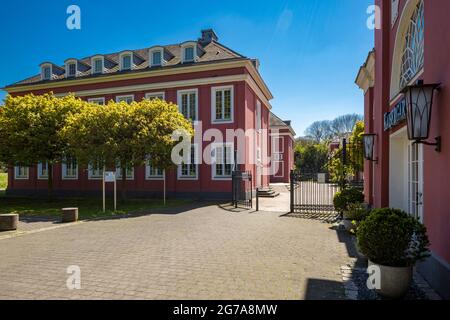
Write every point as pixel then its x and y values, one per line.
pixel 3 180
pixel 89 208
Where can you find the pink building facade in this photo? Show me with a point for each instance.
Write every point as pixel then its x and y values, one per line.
pixel 282 145
pixel 412 44
pixel 210 83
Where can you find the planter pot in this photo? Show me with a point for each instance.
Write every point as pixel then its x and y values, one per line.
pixel 348 225
pixel 8 222
pixel 69 215
pixel 394 281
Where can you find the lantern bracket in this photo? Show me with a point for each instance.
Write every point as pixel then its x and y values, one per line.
pixel 437 144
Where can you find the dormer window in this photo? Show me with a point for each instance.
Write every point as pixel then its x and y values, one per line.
pixel 126 61
pixel 189 54
pixel 71 69
pixel 46 72
pixel 156 58
pixel 97 65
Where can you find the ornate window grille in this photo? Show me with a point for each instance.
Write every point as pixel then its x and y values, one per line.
pixel 413 53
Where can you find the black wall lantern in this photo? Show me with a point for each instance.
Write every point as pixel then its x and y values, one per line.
pixel 369 145
pixel 419 103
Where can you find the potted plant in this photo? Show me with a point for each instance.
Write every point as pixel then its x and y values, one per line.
pixel 345 197
pixel 393 241
pixel 355 213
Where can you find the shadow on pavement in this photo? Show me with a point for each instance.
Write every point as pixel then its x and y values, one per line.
pixel 319 289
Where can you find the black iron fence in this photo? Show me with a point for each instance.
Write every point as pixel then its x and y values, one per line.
pixel 313 192
pixel 242 189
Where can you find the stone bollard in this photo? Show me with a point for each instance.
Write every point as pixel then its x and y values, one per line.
pixel 8 222
pixel 69 215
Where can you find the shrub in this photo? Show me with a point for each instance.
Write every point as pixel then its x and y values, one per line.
pixel 345 197
pixel 393 238
pixel 356 212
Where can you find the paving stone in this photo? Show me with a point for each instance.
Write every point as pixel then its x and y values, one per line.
pixel 205 252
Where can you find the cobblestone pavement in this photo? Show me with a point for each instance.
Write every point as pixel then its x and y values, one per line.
pixel 201 253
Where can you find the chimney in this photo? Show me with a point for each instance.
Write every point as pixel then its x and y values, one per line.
pixel 207 37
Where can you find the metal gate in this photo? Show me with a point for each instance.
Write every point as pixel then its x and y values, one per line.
pixel 313 192
pixel 242 189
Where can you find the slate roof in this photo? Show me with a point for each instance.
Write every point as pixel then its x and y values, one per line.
pixel 275 122
pixel 209 51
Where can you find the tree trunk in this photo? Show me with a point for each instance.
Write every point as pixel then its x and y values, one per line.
pixel 50 182
pixel 123 191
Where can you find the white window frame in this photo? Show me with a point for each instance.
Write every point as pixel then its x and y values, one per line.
pixel 40 176
pixel 118 98
pixel 154 95
pixel 64 172
pixel 43 67
pixel 126 54
pixel 213 104
pixel 281 138
pixel 93 59
pixel 161 52
pixel 91 175
pixel 179 98
pixel 186 45
pixel 19 177
pixel 68 64
pixel 129 177
pixel 281 169
pixel 190 178
pixel 150 177
pixel 214 146
pixel 97 100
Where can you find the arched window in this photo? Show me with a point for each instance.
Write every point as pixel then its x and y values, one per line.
pixel 413 51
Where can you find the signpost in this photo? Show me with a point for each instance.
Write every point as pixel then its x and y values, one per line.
pixel 109 177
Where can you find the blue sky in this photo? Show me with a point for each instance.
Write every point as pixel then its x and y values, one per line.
pixel 310 50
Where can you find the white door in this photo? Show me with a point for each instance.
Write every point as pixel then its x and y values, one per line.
pixel 415 180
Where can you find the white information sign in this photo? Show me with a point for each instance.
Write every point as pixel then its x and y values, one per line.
pixel 110 176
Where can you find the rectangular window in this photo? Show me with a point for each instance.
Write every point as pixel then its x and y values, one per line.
pixel 129 172
pixel 189 54
pixel 128 99
pixel 42 171
pixel 222 104
pixel 98 66
pixel 126 62
pixel 21 173
pixel 222 160
pixel 100 101
pixel 155 95
pixel 70 168
pixel 277 144
pixel 46 73
pixel 278 169
pixel 72 69
pixel 156 58
pixel 152 173
pixel 188 103
pixel 189 171
pixel 95 171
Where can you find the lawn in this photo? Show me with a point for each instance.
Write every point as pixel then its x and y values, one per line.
pixel 89 208
pixel 3 180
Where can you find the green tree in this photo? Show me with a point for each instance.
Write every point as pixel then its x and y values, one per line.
pixel 121 134
pixel 312 157
pixel 30 129
pixel 340 171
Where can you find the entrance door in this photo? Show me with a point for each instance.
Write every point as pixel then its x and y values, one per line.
pixel 415 180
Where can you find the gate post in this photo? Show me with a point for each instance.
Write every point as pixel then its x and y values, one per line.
pixel 292 191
